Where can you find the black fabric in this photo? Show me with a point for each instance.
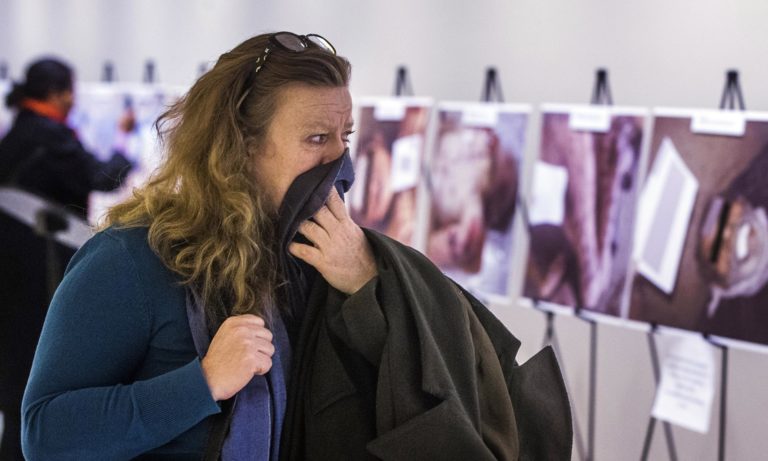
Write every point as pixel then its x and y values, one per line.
pixel 45 157
pixel 420 393
pixel 24 260
pixel 306 195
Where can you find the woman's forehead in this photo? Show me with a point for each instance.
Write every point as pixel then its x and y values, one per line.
pixel 309 105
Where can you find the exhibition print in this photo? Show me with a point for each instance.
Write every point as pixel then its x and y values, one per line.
pixel 388 159
pixel 582 205
pixel 701 252
pixel 473 178
pixel 100 109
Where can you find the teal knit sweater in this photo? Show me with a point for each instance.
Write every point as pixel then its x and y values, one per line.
pixel 116 374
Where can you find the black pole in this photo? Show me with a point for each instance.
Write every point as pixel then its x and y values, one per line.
pixel 592 390
pixel 402 83
pixel 108 72
pixel 3 70
pixel 723 400
pixel 652 421
pixel 601 92
pixel 732 92
pixel 550 338
pixel 202 68
pixel 491 87
pixel 149 71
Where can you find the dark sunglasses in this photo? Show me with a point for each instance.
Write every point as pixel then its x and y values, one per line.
pixel 286 41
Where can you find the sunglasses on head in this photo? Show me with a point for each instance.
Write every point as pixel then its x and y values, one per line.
pixel 286 41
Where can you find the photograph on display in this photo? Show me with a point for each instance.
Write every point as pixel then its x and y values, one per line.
pixel 581 206
pixel 388 157
pixel 701 247
pixel 6 114
pixel 473 177
pixel 100 109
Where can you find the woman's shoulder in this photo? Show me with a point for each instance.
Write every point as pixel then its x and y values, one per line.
pixel 122 246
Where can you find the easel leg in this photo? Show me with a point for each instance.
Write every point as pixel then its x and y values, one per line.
pixel 550 338
pixel 652 421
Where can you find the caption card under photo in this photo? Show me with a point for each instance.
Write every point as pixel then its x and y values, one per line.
pixel 664 212
pixel 687 386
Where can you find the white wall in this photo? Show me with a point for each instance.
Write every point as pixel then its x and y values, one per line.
pixel 672 53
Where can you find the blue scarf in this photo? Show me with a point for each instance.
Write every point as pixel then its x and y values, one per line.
pixel 256 413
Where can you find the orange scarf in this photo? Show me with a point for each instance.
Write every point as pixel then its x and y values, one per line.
pixel 45 109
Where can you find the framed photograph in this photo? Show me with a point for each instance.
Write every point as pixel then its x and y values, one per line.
pixel 582 204
pixel 99 109
pixel 389 156
pixel 701 253
pixel 473 180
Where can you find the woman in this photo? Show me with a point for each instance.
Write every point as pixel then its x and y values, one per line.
pixel 122 369
pixel 237 269
pixel 42 155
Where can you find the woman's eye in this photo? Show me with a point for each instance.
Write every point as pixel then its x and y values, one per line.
pixel 318 138
pixel 347 135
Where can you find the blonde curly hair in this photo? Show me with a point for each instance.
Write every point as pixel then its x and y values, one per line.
pixel 207 218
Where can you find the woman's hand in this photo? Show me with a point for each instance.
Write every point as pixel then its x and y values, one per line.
pixel 339 250
pixel 240 349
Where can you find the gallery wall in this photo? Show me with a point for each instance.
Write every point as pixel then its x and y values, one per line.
pixel 659 53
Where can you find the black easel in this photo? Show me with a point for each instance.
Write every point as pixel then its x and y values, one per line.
pixel 3 70
pixel 108 72
pixel 403 83
pixel 550 338
pixel 732 92
pixel 202 68
pixel 149 71
pixel 731 95
pixel 601 93
pixel 652 421
pixel 491 87
pixel 723 394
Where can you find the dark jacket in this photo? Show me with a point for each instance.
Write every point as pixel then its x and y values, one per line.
pixel 45 157
pixel 413 368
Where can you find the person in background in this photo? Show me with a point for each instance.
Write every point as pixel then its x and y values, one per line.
pixel 42 157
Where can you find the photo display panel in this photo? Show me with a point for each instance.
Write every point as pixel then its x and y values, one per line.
pixel 701 247
pixel 388 157
pixel 99 109
pixel 473 180
pixel 581 206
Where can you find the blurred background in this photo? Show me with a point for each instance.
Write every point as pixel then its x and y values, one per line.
pixel 658 53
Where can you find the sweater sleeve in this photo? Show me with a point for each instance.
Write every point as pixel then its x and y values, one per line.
pixel 81 401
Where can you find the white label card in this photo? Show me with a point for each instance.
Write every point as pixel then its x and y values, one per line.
pixel 719 123
pixel 687 385
pixel 597 119
pixel 389 110
pixel 406 162
pixel 484 116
